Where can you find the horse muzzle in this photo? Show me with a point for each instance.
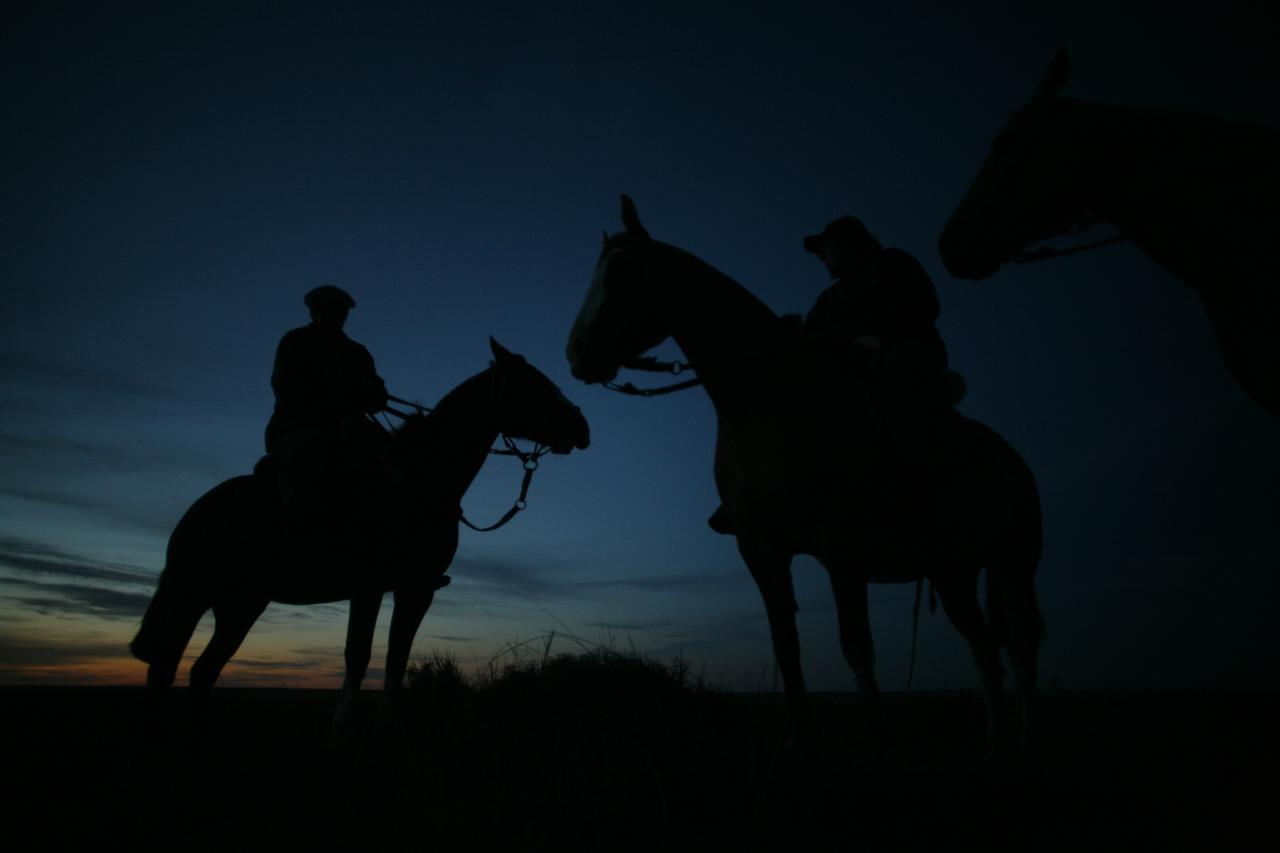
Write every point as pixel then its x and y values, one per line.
pixel 578 438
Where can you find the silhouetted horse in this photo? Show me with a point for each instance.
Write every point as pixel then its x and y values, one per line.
pixel 229 552
pixel 803 466
pixel 1196 193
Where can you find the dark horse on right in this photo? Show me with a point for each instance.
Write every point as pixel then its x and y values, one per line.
pixel 1196 193
pixel 803 465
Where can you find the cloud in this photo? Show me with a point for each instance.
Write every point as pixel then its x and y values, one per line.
pixel 160 521
pixel 22 650
pixel 45 579
pixel 637 627
pixel 544 579
pixel 44 453
pixel 26 370
pixel 529 578
pixel 41 558
pixel 301 664
pixel 81 601
pixel 692 582
pixel 285 613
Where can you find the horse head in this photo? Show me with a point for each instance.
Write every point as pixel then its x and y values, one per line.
pixel 530 406
pixel 617 321
pixel 1032 185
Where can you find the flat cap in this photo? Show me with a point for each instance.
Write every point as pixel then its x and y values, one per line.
pixel 327 294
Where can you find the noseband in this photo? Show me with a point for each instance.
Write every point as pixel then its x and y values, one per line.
pixel 1082 223
pixel 675 368
pixel 652 365
pixel 528 459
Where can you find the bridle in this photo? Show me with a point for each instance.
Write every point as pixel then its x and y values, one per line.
pixel 1079 224
pixel 675 368
pixel 528 459
pixel 653 365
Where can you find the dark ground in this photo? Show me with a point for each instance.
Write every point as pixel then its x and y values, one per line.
pixel 592 768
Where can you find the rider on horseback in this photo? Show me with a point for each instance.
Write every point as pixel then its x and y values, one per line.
pixel 881 312
pixel 325 386
pixel 878 319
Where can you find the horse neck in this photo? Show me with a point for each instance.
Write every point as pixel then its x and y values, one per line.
pixel 458 435
pixel 1181 181
pixel 725 332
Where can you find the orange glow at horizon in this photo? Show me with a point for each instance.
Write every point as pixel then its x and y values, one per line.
pixel 124 671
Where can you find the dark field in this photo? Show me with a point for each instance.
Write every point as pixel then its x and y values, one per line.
pixel 633 760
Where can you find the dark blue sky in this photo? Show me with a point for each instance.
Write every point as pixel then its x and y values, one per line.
pixel 177 179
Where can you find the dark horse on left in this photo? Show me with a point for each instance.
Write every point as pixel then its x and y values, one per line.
pixel 229 552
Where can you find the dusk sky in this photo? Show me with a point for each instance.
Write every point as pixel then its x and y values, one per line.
pixel 177 176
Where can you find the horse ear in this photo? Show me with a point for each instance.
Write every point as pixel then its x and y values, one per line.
pixel 500 352
pixel 1055 77
pixel 631 219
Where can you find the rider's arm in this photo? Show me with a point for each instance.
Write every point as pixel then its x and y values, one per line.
pixel 293 378
pixel 367 388
pixel 911 301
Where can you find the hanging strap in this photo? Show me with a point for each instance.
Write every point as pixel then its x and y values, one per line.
pixel 530 462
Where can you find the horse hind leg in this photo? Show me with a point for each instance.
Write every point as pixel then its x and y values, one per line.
pixel 959 595
pixel 1011 601
pixel 856 642
pixel 166 628
pixel 362 618
pixel 232 623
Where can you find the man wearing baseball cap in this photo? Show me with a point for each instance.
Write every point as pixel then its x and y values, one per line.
pixel 878 319
pixel 883 303
pixel 325 386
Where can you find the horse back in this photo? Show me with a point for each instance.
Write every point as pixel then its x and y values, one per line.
pixel 237 512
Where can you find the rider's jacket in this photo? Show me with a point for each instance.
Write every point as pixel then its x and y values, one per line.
pixel 320 378
pixel 889 297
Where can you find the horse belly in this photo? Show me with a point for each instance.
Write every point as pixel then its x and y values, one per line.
pixel 337 572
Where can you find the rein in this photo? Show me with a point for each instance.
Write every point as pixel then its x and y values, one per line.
pixel 675 368
pixel 530 462
pixel 1043 253
pixel 528 459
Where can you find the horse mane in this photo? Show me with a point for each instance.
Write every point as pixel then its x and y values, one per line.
pixel 420 427
pixel 749 300
pixel 778 352
pixel 744 300
pixel 413 425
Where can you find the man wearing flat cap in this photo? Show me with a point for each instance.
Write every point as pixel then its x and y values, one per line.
pixel 325 385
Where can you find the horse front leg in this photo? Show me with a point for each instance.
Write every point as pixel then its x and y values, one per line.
pixel 771 568
pixel 361 619
pixel 850 592
pixel 410 608
pixel 959 594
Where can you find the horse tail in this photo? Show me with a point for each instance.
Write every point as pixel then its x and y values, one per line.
pixel 997 612
pixel 1011 594
pixel 167 624
pixel 144 643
